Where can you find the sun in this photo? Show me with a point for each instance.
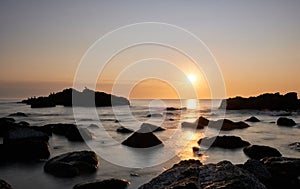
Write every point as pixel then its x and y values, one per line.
pixel 192 78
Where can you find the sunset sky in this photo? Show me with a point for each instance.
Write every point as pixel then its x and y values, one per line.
pixel 256 44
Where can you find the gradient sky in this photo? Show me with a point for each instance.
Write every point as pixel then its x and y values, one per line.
pixel 256 43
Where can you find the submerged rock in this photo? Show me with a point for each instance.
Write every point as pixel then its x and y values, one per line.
pixel 252 119
pixel 154 115
pixel 295 146
pixel 285 172
pixel 18 114
pixel 258 169
pixel 6 124
pixel 105 184
pixel 227 142
pixel 125 130
pixel 258 152
pixel 192 174
pixel 72 164
pixel 175 109
pixel 4 185
pixel 200 123
pixel 147 127
pixel 282 121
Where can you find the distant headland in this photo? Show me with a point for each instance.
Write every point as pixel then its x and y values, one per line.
pixel 267 101
pixel 72 97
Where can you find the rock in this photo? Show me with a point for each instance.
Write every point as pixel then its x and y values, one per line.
pixel 258 169
pixel 227 142
pixel 72 97
pixel 78 135
pixel 196 149
pixel 18 114
pixel 223 124
pixel 252 119
pixel 72 164
pixel 23 123
pixel 60 128
pixel 259 152
pixel 200 123
pixel 24 133
pixel 192 174
pixel 175 109
pixel 4 185
pixel 142 139
pixel 267 101
pixel 125 130
pixel 285 172
pixel 282 121
pixel 105 184
pixel 94 126
pixel 147 127
pixel 295 146
pixel 6 124
pixel 45 129
pixel 154 115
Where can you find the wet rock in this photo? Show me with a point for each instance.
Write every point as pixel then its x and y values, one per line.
pixel 200 123
pixel 18 114
pixel 227 142
pixel 105 184
pixel 267 101
pixel 4 185
pixel 192 174
pixel 285 172
pixel 258 152
pixel 142 139
pixel 72 164
pixel 6 124
pixel 125 130
pixel 60 128
pixel 24 133
pixel 282 121
pixel 154 115
pixel 175 109
pixel 295 146
pixel 94 126
pixel 258 169
pixel 252 119
pixel 78 135
pixel 23 123
pixel 147 127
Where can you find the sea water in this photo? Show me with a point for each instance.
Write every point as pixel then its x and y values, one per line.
pixel 136 165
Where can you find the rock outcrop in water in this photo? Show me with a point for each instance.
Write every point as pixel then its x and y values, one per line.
pixel 72 97
pixel 258 152
pixel 222 124
pixel 283 121
pixel 227 142
pixel 4 185
pixel 266 101
pixel 72 164
pixel 105 184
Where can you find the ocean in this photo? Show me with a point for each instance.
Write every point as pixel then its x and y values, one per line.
pixel 137 165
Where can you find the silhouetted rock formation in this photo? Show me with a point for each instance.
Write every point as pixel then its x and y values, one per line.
pixel 107 184
pixel 175 109
pixel 147 127
pixel 4 185
pixel 72 164
pixel 72 97
pixel 267 101
pixel 143 138
pixel 252 119
pixel 222 124
pixel 227 142
pixel 282 121
pixel 192 174
pixel 285 172
pixel 259 152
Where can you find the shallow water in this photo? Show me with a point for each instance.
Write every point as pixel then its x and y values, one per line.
pixel 119 161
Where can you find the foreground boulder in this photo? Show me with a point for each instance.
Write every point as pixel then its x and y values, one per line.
pixel 282 121
pixel 72 164
pixel 259 152
pixel 105 184
pixel 4 185
pixel 192 174
pixel 266 101
pixel 142 139
pixel 6 124
pixel 252 119
pixel 222 124
pixel 227 142
pixel 285 172
pixel 258 169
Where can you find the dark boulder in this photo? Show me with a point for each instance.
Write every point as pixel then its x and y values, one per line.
pixel 18 114
pixel 200 123
pixel 266 101
pixel 295 146
pixel 4 185
pixel 72 164
pixel 154 115
pixel 78 135
pixel 105 184
pixel 282 121
pixel 285 172
pixel 258 169
pixel 252 119
pixel 6 124
pixel 60 128
pixel 24 133
pixel 23 123
pixel 142 139
pixel 125 130
pixel 258 152
pixel 175 109
pixel 227 142
pixel 192 174
pixel 147 127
